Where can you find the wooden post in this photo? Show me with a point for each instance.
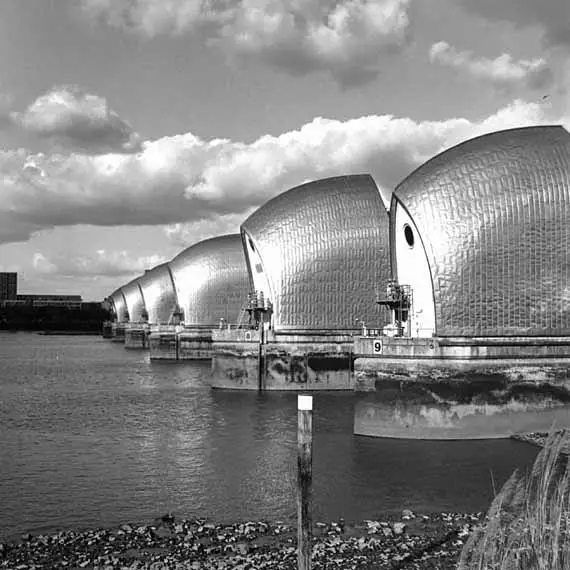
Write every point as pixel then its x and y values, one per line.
pixel 304 480
pixel 260 354
pixel 260 367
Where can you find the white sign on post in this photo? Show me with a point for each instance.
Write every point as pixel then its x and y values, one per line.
pixel 304 402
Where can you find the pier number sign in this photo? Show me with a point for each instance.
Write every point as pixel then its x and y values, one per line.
pixel 377 346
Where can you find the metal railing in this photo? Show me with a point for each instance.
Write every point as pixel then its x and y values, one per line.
pixel 416 332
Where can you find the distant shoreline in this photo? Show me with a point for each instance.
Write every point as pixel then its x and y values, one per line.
pixel 68 333
pixel 43 332
pixel 52 333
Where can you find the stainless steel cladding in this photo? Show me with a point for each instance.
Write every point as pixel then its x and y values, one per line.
pixel 493 214
pixel 211 280
pixel 159 294
pixel 134 300
pixel 319 251
pixel 119 306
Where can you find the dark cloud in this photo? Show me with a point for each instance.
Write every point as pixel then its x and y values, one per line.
pixel 78 120
pixel 345 38
pixel 552 16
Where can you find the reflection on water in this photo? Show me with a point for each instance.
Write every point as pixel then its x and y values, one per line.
pixel 477 407
pixel 95 435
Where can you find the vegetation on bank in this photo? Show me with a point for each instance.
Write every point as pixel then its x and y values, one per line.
pixel 528 524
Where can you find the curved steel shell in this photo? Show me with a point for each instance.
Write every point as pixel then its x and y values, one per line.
pixel 119 306
pixel 494 217
pixel 134 300
pixel 323 248
pixel 158 294
pixel 211 280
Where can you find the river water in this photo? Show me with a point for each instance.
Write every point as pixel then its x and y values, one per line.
pixel 94 435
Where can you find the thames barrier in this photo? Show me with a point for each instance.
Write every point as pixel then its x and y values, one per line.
pixel 445 307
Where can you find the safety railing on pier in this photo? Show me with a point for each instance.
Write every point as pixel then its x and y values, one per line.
pixel 416 332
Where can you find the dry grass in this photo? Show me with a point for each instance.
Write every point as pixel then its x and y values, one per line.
pixel 528 524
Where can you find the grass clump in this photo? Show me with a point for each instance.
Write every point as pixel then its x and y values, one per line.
pixel 528 524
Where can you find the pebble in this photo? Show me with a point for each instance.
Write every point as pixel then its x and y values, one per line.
pixel 168 518
pixel 399 528
pixel 422 542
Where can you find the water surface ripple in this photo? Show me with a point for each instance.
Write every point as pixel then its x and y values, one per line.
pixel 95 435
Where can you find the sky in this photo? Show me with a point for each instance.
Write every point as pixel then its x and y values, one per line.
pixel 132 129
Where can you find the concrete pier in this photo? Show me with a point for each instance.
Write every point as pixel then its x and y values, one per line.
pixel 163 342
pixel 118 332
pixel 136 335
pixel 460 388
pixel 235 359
pixel 176 342
pixel 283 361
pixel 195 343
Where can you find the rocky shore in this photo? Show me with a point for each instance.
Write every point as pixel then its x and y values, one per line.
pixel 539 439
pixel 412 541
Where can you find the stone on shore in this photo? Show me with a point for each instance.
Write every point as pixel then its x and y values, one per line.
pixel 421 542
pixel 539 439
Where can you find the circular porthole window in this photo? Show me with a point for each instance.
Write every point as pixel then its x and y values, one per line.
pixel 409 235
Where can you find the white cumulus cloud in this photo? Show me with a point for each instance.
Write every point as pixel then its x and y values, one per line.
pixel 79 120
pixel 99 263
pixel 42 264
pixel 186 180
pixel 186 234
pixel 346 38
pixel 503 71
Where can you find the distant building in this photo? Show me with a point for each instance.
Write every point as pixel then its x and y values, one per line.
pixel 8 286
pixel 68 301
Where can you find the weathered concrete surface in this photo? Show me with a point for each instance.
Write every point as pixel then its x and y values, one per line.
pixel 307 366
pixel 163 342
pixel 118 332
pixel 136 335
pixel 443 399
pixel 463 348
pixel 460 388
pixel 235 359
pixel 368 370
pixel 176 342
pixel 195 343
pixel 284 362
